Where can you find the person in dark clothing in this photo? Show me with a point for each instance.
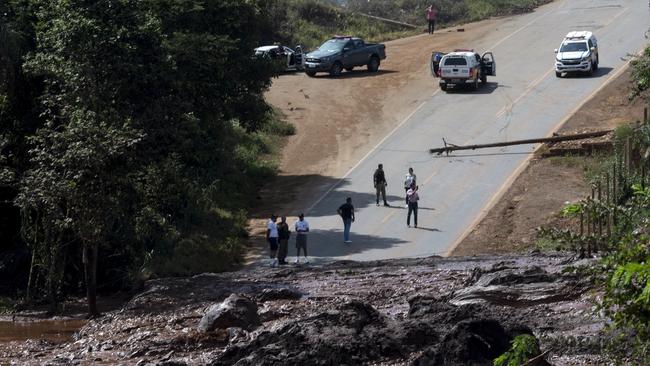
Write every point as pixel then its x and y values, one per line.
pixel 379 180
pixel 283 240
pixel 412 198
pixel 432 14
pixel 346 211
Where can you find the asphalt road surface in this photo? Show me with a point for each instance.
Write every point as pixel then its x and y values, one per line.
pixel 524 100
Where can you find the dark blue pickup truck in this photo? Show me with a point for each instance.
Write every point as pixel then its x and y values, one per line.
pixel 344 53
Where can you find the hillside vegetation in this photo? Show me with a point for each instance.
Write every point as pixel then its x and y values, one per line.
pixel 310 22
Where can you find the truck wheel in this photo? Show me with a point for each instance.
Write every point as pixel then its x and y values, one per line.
pixel 336 69
pixel 349 69
pixel 591 69
pixel 373 64
pixel 596 64
pixel 443 87
pixel 310 73
pixel 558 74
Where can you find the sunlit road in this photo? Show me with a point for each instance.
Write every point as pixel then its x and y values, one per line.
pixel 524 100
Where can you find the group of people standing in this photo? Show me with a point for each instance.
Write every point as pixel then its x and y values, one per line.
pixel 278 235
pixel 410 188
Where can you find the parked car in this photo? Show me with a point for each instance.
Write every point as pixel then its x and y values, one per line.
pixel 292 60
pixel 344 53
pixel 462 68
pixel 577 53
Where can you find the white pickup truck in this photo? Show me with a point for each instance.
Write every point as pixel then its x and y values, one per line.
pixel 462 68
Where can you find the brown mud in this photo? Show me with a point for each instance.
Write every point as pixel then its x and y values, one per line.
pixel 399 312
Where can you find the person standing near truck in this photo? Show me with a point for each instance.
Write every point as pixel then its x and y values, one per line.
pixel 272 238
pixel 432 14
pixel 302 228
pixel 283 240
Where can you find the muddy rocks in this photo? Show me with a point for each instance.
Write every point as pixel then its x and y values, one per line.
pixel 236 311
pixel 475 342
pixel 285 293
pixel 517 287
pixel 353 334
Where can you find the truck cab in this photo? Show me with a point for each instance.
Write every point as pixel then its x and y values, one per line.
pixel 463 68
pixel 578 52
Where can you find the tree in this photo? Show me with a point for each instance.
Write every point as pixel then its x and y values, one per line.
pixel 139 114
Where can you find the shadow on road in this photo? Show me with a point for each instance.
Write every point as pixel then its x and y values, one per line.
pixel 602 71
pixel 487 88
pixel 329 243
pixel 360 73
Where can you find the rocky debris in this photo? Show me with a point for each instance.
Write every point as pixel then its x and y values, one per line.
pixel 353 334
pixel 475 342
pixel 518 286
pixel 285 293
pixel 378 313
pixel 236 311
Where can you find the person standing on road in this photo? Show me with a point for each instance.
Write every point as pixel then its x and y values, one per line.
pixel 432 14
pixel 408 182
pixel 412 197
pixel 283 240
pixel 346 211
pixel 302 228
pixel 272 238
pixel 379 180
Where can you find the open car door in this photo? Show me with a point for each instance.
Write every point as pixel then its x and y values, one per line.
pixel 435 63
pixel 489 65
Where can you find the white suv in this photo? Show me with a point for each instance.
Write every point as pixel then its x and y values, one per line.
pixel 578 52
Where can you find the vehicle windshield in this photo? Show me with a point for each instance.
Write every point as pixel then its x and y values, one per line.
pixel 333 45
pixel 455 61
pixel 574 47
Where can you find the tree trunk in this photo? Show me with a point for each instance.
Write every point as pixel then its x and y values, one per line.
pixel 90 271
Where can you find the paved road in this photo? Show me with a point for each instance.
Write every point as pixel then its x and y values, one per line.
pixel 524 100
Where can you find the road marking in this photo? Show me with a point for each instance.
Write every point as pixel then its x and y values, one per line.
pixel 331 188
pixel 519 30
pixel 508 182
pixel 616 16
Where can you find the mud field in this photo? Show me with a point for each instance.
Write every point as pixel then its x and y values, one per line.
pixel 416 312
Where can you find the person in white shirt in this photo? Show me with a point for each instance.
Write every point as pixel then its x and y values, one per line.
pixel 408 182
pixel 302 228
pixel 272 238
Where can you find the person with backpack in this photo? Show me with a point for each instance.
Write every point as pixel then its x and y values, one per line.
pixel 408 182
pixel 379 180
pixel 412 197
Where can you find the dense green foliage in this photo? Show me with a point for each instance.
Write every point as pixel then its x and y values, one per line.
pixel 132 131
pixel 616 223
pixel 523 348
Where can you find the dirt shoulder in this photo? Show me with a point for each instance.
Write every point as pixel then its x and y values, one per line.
pixel 338 120
pixel 537 195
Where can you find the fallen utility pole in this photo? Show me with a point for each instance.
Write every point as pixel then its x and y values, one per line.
pixel 387 20
pixel 580 136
